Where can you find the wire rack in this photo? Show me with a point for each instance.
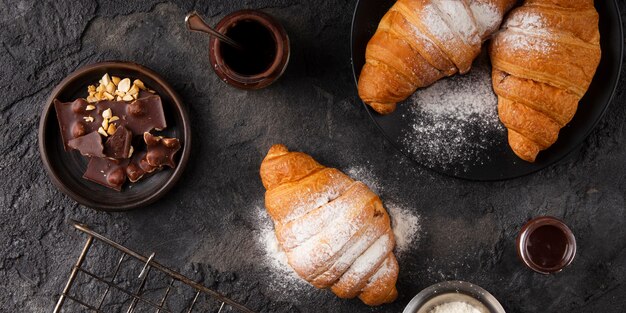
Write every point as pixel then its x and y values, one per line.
pixel 136 297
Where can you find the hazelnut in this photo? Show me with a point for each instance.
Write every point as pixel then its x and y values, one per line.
pixel 145 166
pixel 134 172
pixel 136 109
pixel 170 142
pixel 77 106
pixel 79 129
pixel 116 177
pixel 156 157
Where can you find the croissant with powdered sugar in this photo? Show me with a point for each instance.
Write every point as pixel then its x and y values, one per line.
pixel 335 231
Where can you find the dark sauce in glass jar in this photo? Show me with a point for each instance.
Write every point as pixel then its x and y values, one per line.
pixel 264 54
pixel 546 245
pixel 259 48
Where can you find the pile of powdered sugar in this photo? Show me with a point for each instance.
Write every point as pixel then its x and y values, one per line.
pixel 454 121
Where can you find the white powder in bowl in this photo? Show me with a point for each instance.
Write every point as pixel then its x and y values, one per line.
pixel 455 307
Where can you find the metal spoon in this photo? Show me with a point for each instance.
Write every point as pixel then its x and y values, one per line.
pixel 196 23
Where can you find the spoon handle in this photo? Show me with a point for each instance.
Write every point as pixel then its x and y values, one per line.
pixel 196 23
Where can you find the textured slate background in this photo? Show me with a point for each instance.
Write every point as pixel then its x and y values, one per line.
pixel 207 226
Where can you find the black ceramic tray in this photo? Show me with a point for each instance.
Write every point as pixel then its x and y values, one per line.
pixel 66 168
pixel 495 160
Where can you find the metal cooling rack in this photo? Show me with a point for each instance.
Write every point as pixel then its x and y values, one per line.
pixel 136 296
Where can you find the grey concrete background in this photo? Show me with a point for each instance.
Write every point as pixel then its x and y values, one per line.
pixel 207 225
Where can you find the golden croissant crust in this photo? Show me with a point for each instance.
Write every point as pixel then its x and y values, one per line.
pixel 335 231
pixel 421 41
pixel 544 59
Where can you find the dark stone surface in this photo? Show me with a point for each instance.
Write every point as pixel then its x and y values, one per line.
pixel 207 228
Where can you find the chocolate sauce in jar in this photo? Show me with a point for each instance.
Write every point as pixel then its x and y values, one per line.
pixel 259 48
pixel 264 55
pixel 546 245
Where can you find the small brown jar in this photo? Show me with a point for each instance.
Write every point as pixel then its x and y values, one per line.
pixel 226 69
pixel 546 245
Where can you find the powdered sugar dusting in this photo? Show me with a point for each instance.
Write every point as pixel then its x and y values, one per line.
pixel 365 262
pixel 487 16
pixel 406 227
pixel 526 31
pixel 385 269
pixel 454 121
pixel 436 26
pixel 363 174
pixel 405 223
pixel 458 18
pixel 283 276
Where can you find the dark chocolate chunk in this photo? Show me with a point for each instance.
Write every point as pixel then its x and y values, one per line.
pixel 139 116
pixel 72 122
pixel 89 145
pixel 161 150
pixel 117 145
pixel 107 172
pixel 138 167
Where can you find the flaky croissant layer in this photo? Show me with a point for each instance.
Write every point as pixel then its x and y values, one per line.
pixel 544 59
pixel 421 41
pixel 335 231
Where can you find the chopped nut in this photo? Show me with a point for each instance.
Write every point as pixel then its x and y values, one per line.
pixel 115 80
pixel 124 85
pixel 118 98
pixel 105 123
pixel 99 88
pixel 111 129
pixel 119 93
pixel 113 118
pixel 88 119
pixel 106 79
pixel 107 113
pixel 91 88
pixel 134 90
pixel 90 107
pixel 92 99
pixel 128 97
pixel 102 132
pixel 130 153
pixel 139 84
pixel 109 96
pixel 110 88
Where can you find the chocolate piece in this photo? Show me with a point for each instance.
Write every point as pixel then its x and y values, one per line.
pixel 117 145
pixel 138 167
pixel 161 150
pixel 107 172
pixel 72 122
pixel 89 145
pixel 139 116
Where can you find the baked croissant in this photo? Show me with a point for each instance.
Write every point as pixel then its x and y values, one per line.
pixel 420 41
pixel 544 59
pixel 335 231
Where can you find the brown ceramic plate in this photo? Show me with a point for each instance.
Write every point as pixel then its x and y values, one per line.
pixel 66 168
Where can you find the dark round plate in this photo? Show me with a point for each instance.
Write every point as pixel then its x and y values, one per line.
pixel 66 168
pixel 495 160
